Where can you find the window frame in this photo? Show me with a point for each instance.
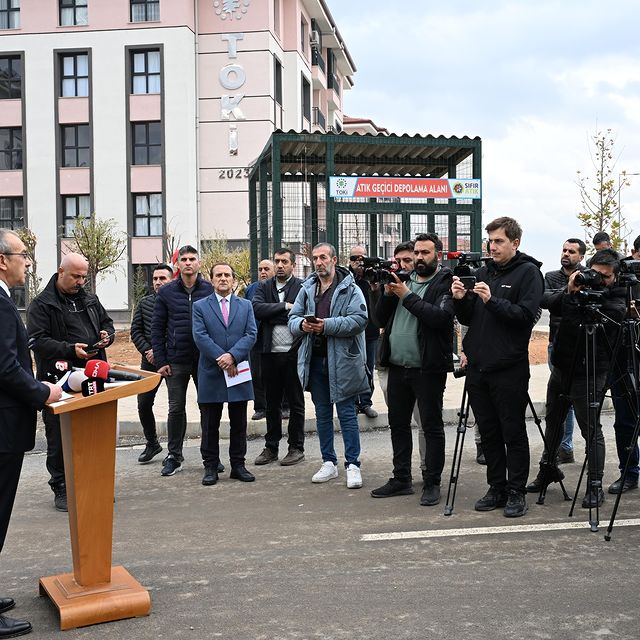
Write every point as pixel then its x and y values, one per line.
pixel 147 145
pixel 14 152
pixel 13 200
pixel 146 74
pixel 277 80
pixel 66 220
pixel 76 148
pixel 147 4
pixel 75 76
pixel 10 81
pixel 11 11
pixel 147 217
pixel 306 98
pixel 76 8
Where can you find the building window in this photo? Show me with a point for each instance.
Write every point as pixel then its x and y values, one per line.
pixel 277 74
pixel 10 77
pixel 75 75
pixel 147 143
pixel 145 74
pixel 148 214
pixel 11 148
pixel 306 99
pixel 11 213
pixel 303 35
pixel 73 13
pixel 76 145
pixel 333 81
pixel 276 17
pixel 74 207
pixel 9 14
pixel 145 10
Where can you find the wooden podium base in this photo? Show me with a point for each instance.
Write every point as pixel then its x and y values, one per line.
pixel 123 597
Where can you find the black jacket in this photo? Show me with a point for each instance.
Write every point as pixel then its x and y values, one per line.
pixel 435 323
pixel 372 331
pixel 499 331
pixel 171 331
pixel 569 342
pixel 268 310
pixel 48 336
pixel 554 281
pixel 141 325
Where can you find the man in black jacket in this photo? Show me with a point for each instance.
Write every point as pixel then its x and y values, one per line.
pixel 279 352
pixel 141 337
pixel 500 311
pixel 20 397
pixel 174 352
pixel 417 347
pixel 65 323
pixel 568 383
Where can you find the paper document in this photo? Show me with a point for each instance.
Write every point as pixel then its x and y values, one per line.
pixel 244 374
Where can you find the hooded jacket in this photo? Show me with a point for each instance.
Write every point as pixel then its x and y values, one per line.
pixel 48 335
pixel 344 330
pixel 500 330
pixel 435 323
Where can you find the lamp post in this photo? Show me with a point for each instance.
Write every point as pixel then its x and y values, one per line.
pixel 622 179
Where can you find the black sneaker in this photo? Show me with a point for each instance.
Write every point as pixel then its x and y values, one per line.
pixel 210 476
pixel 393 488
pixel 592 498
pixel 430 495
pixel 630 482
pixel 149 453
pixel 516 504
pixel 493 499
pixel 171 465
pixel 60 497
pixel 548 474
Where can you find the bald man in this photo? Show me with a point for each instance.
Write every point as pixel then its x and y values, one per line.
pixel 65 324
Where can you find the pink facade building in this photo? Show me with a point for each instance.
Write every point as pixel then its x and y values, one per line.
pixel 150 112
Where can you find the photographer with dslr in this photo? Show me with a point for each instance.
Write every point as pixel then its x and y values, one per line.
pixel 591 291
pixel 500 311
pixel 417 347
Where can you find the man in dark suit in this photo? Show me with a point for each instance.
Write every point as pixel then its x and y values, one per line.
pixel 20 397
pixel 279 351
pixel 224 331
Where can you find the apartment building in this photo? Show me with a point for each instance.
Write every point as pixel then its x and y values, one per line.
pixel 150 112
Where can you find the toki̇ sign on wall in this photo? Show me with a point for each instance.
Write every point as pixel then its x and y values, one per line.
pixel 377 187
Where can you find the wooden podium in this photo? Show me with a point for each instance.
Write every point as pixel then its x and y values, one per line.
pixel 95 591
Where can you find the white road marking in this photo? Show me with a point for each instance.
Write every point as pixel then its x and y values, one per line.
pixel 483 531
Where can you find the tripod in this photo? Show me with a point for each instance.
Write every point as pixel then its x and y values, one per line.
pixel 463 418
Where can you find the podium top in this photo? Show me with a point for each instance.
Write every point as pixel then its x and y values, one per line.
pixel 149 381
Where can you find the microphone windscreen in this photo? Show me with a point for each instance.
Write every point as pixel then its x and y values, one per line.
pixel 73 382
pixel 59 370
pixel 92 386
pixel 97 370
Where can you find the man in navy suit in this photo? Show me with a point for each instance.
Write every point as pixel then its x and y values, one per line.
pixel 20 397
pixel 224 330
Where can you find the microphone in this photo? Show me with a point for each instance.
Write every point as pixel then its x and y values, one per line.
pixel 72 381
pixel 99 369
pixel 90 387
pixel 59 369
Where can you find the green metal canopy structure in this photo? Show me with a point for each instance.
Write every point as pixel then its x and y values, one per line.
pixel 291 203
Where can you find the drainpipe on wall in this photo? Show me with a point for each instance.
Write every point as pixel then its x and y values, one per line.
pixel 197 123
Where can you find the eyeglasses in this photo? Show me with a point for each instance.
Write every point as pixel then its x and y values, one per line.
pixel 355 258
pixel 24 254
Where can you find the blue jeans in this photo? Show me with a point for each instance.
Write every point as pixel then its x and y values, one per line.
pixel 319 387
pixel 567 438
pixel 624 426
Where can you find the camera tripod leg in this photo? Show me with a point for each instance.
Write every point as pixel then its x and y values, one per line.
pixel 463 417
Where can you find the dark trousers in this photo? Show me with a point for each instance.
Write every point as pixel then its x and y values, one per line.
pixel 177 384
pixel 145 408
pixel 259 395
pixel 280 375
pixel 10 467
pixel 405 387
pixel 364 400
pixel 210 421
pixel 561 394
pixel 499 402
pixel 55 457
pixel 623 398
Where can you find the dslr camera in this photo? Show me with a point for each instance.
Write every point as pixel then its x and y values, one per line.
pixel 379 270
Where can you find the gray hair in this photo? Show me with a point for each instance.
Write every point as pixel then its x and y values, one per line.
pixel 5 247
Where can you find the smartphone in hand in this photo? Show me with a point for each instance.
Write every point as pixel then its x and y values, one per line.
pixel 311 319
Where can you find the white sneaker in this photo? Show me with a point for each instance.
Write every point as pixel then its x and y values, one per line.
pixel 328 471
pixel 354 477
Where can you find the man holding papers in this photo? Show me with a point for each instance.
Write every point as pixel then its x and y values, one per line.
pixel 224 330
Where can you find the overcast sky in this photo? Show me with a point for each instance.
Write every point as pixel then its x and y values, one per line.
pixel 533 79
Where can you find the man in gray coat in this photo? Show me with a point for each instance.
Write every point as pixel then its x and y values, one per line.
pixel 330 314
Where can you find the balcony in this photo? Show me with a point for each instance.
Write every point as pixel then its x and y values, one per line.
pixel 319 119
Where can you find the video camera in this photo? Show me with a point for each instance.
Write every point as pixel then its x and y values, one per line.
pixel 468 261
pixel 629 272
pixel 589 278
pixel 378 270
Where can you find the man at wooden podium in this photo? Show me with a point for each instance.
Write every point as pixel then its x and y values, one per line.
pixel 20 397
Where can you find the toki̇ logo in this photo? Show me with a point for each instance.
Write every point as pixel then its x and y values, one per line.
pixel 230 9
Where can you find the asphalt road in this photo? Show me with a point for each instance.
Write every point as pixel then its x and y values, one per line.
pixel 285 559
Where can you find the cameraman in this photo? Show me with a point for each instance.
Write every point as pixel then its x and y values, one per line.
pixel 568 383
pixel 500 312
pixel 417 347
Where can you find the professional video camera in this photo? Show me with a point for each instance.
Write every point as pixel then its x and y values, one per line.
pixel 378 270
pixel 629 271
pixel 589 278
pixel 468 262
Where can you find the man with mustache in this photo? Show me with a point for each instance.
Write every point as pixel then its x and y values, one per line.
pixel 417 346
